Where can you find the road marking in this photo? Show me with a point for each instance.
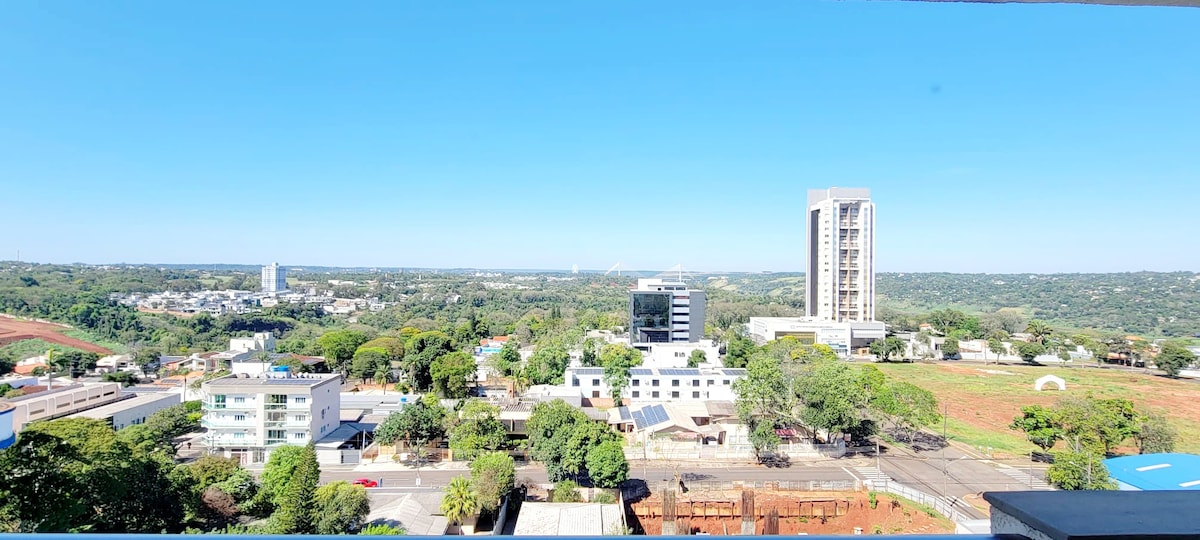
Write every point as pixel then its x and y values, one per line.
pixel 1025 479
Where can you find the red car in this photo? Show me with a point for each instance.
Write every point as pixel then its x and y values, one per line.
pixel 365 482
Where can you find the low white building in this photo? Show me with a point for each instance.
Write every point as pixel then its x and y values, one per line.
pixel 247 416
pixel 842 337
pixel 676 355
pixel 659 384
pixel 260 341
pixel 133 410
pixel 62 401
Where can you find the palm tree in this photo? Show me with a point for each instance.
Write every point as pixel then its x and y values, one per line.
pixel 381 379
pixel 1038 331
pixel 460 501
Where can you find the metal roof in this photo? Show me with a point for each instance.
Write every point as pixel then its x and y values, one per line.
pixel 1156 472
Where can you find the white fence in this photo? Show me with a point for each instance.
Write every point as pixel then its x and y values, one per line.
pixel 940 504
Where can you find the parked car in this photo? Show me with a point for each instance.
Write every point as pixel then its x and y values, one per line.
pixel 365 482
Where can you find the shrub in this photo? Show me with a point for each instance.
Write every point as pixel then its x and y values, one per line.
pixel 566 491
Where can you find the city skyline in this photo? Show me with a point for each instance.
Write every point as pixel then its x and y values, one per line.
pixel 994 138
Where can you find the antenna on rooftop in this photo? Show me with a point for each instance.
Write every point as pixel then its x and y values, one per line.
pixel 616 267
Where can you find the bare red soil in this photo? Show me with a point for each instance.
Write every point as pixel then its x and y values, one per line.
pixel 720 513
pixel 14 330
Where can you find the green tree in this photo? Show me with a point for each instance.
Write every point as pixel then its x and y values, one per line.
pixel 172 422
pixel 1173 358
pixel 1029 350
pixel 548 365
pixel 1040 424
pixel 997 348
pixel 39 489
pixel 452 373
pixel 617 359
pixel 551 425
pixel 277 472
pixel 566 491
pixel 418 424
pixel 339 346
pixel 831 396
pixel 950 347
pixel 887 347
pixel 479 430
pixel 366 362
pixel 1096 425
pixel 508 360
pixel 738 351
pixel 1155 435
pixel 584 439
pixel 340 508
pixel 606 464
pixel 492 477
pixel 1038 331
pixel 381 529
pixel 392 347
pixel 422 350
pixel 763 438
pixel 295 512
pixel 696 358
pixel 908 406
pixel 460 501
pixel 1079 470
pixel 590 358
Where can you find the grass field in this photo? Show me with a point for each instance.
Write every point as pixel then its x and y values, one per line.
pixel 84 335
pixel 27 348
pixel 982 400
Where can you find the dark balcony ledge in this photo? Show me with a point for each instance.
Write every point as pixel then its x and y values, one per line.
pixel 1090 515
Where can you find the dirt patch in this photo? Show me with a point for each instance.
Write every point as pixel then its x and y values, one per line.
pixel 721 513
pixel 14 330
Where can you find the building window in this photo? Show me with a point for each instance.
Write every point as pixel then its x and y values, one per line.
pixel 239 400
pixel 301 400
pixel 574 382
pixel 239 435
pixel 595 382
pixel 637 394
pixel 277 434
pixel 711 382
pixel 301 418
pixel 675 394
pixel 654 394
pixel 674 382
pixel 218 401
pixel 298 435
pixel 695 395
pixel 695 382
pixel 637 382
pixel 725 382
pixel 239 418
pixel 595 393
pixel 654 382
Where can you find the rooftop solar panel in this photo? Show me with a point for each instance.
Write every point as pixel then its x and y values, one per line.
pixel 589 371
pixel 734 371
pixel 624 412
pixel 639 420
pixel 641 371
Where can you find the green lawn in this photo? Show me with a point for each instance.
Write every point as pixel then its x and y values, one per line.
pixel 84 335
pixel 27 348
pixel 982 404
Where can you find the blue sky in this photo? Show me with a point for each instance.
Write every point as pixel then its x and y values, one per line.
pixel 995 138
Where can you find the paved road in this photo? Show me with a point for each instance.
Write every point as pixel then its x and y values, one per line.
pixel 653 473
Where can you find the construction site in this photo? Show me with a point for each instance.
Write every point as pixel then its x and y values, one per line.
pixel 772 511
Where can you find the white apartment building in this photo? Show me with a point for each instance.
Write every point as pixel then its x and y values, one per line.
pixel 247 416
pixel 663 311
pixel 131 411
pixel 274 278
pixel 659 384
pixel 842 337
pixel 841 255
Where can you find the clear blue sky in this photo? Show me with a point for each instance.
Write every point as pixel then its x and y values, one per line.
pixel 995 138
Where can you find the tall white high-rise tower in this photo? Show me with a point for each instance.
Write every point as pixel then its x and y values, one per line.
pixel 841 255
pixel 274 278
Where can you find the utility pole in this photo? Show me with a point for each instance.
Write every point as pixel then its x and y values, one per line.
pixel 945 443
